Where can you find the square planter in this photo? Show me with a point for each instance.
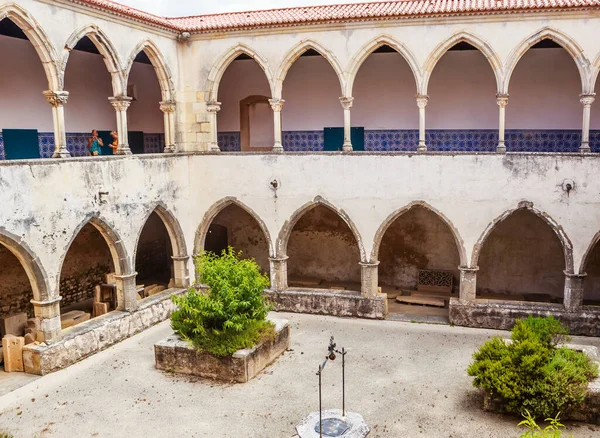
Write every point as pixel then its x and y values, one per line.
pixel 178 356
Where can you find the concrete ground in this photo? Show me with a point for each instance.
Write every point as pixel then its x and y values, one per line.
pixel 406 380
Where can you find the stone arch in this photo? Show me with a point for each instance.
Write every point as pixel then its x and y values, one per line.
pixel 163 73
pixel 176 236
pixel 216 74
pixel 212 213
pixel 33 268
pixel 115 245
pixel 480 44
pixel 295 53
pixel 106 49
pixel 526 205
pixel 588 252
pixel 460 246
pixel 595 73
pixel 287 228
pixel 39 39
pixel 369 48
pixel 566 42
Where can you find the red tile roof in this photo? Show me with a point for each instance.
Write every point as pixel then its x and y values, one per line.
pixel 386 10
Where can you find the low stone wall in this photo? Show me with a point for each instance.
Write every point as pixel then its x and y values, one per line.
pixel 322 302
pixel 88 338
pixel 503 314
pixel 178 356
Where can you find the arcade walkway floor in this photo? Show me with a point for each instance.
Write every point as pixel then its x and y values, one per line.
pixel 405 379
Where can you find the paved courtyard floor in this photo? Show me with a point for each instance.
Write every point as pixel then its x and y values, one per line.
pixel 406 380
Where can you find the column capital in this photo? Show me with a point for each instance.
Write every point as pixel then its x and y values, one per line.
pixel 279 259
pixel 572 275
pixel 587 99
pixel 502 100
pixel 56 98
pixel 168 106
pixel 276 104
pixel 120 103
pixel 346 102
pixel 422 100
pixel 213 107
pixel 468 269
pixel 369 264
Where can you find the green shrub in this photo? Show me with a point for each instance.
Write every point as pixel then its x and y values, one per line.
pixel 231 315
pixel 530 373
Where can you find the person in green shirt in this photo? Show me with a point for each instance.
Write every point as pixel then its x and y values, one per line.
pixel 95 144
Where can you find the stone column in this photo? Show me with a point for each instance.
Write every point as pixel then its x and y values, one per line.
pixel 168 109
pixel 182 280
pixel 121 103
pixel 573 299
pixel 347 104
pixel 278 273
pixel 502 101
pixel 277 106
pixel 213 108
pixel 468 284
pixel 58 99
pixel 586 100
pixel 126 294
pixel 47 316
pixel 369 279
pixel 422 100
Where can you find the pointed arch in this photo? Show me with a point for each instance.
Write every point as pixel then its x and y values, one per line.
pixel 566 42
pixel 588 252
pixel 369 48
pixel 176 236
pixel 295 53
pixel 595 73
pixel 33 267
pixel 218 70
pixel 462 37
pixel 111 237
pixel 106 49
pixel 40 40
pixel 526 205
pixel 287 228
pixel 460 246
pixel 163 73
pixel 217 208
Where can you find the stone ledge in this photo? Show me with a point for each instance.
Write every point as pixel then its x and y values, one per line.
pixel 88 338
pixel 503 314
pixel 176 355
pixel 321 302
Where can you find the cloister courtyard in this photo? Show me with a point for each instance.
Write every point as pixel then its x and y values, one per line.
pixel 406 379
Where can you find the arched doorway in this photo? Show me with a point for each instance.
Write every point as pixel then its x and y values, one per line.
pixel 419 261
pixel 544 113
pixel 323 252
pixel 522 259
pixel 235 227
pixel 591 283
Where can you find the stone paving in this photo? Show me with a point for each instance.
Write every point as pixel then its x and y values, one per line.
pixel 405 379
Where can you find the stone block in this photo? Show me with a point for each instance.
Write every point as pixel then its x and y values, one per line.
pixel 156 290
pixel 110 278
pixel 171 283
pixel 71 318
pixel 12 347
pixel 176 355
pixel 29 339
pixel 13 324
pixel 147 289
pixel 101 309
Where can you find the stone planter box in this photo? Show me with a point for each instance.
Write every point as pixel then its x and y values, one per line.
pixel 589 412
pixel 178 356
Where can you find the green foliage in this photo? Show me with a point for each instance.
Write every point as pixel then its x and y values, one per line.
pixel 530 373
pixel 5 435
pixel 553 430
pixel 231 315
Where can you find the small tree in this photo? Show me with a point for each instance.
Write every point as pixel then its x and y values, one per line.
pixel 531 373
pixel 232 314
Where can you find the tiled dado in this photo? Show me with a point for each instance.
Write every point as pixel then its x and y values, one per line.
pixel 77 144
pixel 475 140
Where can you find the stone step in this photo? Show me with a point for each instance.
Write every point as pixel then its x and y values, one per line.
pixel 422 301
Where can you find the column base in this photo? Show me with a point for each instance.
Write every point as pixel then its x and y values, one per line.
pixel 278 147
pixel 123 150
pixel 170 149
pixel 214 147
pixel 501 148
pixel 63 153
pixel 347 147
pixel 422 147
pixel 585 148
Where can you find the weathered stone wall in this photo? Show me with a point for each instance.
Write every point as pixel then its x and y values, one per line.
pixel 86 265
pixel 322 246
pixel 153 255
pixel 244 234
pixel 418 239
pixel 522 256
pixel 15 288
